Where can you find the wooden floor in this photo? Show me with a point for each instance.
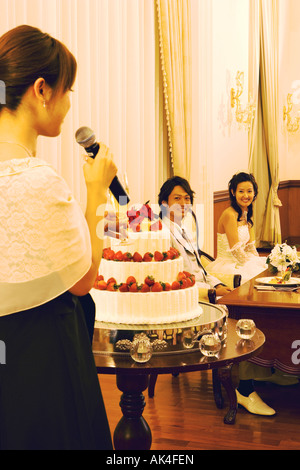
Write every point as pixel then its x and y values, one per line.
pixel 183 416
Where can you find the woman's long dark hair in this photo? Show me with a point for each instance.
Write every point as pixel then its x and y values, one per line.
pixel 232 186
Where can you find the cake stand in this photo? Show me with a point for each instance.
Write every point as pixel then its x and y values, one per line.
pixel 168 338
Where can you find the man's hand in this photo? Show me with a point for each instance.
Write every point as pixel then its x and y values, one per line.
pixel 223 290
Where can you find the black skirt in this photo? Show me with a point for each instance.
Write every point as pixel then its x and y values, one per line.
pixel 50 396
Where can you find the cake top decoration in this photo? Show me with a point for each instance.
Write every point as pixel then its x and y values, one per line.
pixel 143 219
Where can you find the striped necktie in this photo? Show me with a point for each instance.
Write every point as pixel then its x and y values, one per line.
pixel 187 239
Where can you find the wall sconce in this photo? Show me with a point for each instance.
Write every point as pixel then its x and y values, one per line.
pixel 246 115
pixel 292 123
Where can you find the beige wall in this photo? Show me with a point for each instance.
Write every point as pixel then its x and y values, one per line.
pixel 289 78
pixel 230 53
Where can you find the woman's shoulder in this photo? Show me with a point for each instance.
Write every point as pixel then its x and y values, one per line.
pixel 227 219
pixel 48 172
pixel 28 167
pixel 51 174
pixel 33 178
pixel 228 215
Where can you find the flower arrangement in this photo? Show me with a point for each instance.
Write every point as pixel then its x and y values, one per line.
pixel 283 259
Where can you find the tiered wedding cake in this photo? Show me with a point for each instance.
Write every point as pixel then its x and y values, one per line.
pixel 141 279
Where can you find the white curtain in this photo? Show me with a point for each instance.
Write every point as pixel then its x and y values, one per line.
pixel 116 89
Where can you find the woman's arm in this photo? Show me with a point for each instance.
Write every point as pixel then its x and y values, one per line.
pixel 250 246
pixel 230 227
pixel 252 234
pixel 98 173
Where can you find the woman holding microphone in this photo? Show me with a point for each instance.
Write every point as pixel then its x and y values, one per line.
pixel 49 255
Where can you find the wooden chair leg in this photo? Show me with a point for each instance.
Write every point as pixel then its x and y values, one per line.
pixel 220 377
pixel 224 374
pixel 217 389
pixel 151 385
pixel 152 382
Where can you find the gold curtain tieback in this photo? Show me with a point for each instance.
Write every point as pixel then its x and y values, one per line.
pixel 275 199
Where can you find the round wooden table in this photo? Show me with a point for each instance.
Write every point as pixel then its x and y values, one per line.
pixel 133 432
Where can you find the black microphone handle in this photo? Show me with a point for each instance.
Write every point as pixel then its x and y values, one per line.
pixel 93 150
pixel 119 192
pixel 115 187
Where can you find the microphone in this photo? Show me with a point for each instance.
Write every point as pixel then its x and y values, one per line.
pixel 86 138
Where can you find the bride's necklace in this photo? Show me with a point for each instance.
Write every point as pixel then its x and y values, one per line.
pixel 19 145
pixel 244 216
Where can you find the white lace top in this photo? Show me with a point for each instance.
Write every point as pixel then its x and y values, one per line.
pixel 223 248
pixel 44 239
pixel 238 259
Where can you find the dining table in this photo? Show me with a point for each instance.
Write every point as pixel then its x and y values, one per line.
pixel 275 309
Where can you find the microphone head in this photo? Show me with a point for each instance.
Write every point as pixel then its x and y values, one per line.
pixel 85 136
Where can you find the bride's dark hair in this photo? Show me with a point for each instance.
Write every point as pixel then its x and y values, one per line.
pixel 232 186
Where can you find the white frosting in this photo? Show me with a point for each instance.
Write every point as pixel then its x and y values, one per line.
pixel 148 307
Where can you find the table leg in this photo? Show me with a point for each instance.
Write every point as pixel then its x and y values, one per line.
pixel 224 374
pixel 151 386
pixel 217 389
pixel 132 432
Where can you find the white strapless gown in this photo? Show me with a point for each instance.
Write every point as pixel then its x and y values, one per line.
pixel 226 263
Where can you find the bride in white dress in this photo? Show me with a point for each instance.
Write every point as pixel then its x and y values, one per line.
pixel 236 251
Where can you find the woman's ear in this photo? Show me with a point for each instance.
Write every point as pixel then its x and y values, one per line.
pixel 42 91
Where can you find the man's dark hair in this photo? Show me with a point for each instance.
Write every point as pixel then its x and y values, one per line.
pixel 168 187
